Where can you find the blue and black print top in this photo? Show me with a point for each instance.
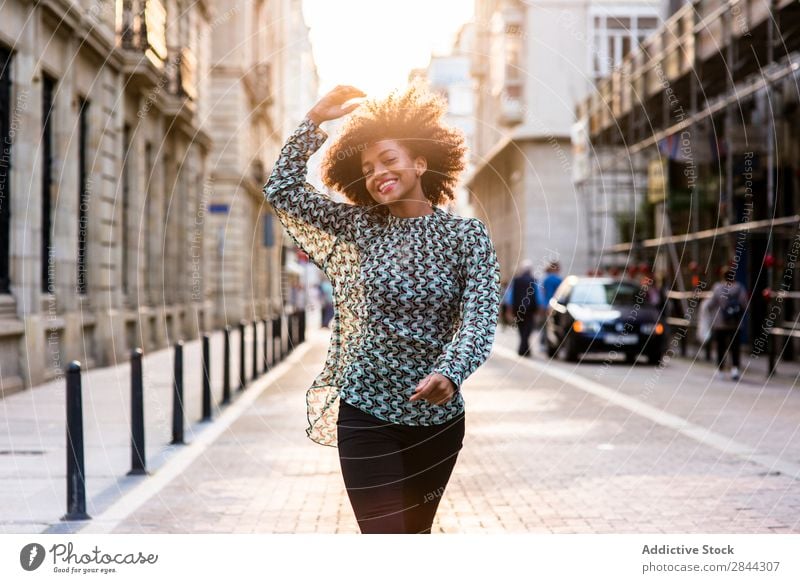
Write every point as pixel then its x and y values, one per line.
pixel 412 296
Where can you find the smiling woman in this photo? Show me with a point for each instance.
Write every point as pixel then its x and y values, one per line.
pixel 400 142
pixel 416 293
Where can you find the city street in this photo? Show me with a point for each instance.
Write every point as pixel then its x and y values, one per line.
pixel 549 448
pixel 218 217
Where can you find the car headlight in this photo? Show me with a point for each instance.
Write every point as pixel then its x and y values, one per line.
pixel 586 326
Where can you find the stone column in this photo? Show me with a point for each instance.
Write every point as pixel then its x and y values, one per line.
pixel 26 205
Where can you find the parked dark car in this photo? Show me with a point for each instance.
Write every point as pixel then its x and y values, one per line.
pixel 599 314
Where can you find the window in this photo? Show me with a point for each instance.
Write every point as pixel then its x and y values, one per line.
pixel 167 242
pixel 648 24
pixel 147 220
pixel 48 261
pixel 604 294
pixel 126 154
pixel 613 37
pixel 5 168
pixel 514 58
pixel 83 194
pixel 506 52
pixel 618 23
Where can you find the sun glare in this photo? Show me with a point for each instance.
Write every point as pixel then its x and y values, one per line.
pixel 374 44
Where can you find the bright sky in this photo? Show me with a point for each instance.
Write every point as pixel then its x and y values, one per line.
pixel 374 44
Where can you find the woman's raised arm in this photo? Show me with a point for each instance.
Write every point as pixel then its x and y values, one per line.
pixel 312 218
pixel 287 189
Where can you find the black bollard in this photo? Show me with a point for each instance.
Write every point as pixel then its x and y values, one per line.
pixel 277 351
pixel 226 368
pixel 771 364
pixel 283 339
pixel 206 378
pixel 289 333
pixel 264 346
pixel 242 380
pixel 177 396
pixel 301 322
pixel 76 475
pixel 255 349
pixel 138 460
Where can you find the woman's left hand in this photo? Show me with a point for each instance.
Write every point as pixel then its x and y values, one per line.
pixel 435 388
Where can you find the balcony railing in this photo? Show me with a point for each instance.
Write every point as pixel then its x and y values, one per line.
pixel 696 33
pixel 182 72
pixel 514 18
pixel 143 27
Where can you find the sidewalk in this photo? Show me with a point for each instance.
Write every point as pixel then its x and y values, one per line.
pixel 33 431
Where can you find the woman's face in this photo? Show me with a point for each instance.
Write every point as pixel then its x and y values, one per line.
pixel 391 173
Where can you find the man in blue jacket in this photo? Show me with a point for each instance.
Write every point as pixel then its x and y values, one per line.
pixel 549 286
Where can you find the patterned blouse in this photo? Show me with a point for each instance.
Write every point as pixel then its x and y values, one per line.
pixel 412 296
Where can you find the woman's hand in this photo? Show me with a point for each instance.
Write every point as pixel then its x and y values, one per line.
pixel 435 388
pixel 330 106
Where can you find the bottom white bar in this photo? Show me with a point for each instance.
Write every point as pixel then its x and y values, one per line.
pixel 350 558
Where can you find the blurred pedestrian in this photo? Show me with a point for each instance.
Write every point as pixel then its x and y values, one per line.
pixel 649 288
pixel 525 303
pixel 549 286
pixel 660 293
pixel 726 308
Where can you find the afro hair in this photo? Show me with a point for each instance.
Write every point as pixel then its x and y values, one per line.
pixel 411 117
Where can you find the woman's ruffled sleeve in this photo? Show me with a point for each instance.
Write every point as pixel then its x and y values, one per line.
pixel 312 219
pixel 472 342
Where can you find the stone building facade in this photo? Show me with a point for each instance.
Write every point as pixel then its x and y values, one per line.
pixel 118 157
pixel 262 83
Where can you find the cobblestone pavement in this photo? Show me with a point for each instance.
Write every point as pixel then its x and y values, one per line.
pixel 33 449
pixel 540 455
